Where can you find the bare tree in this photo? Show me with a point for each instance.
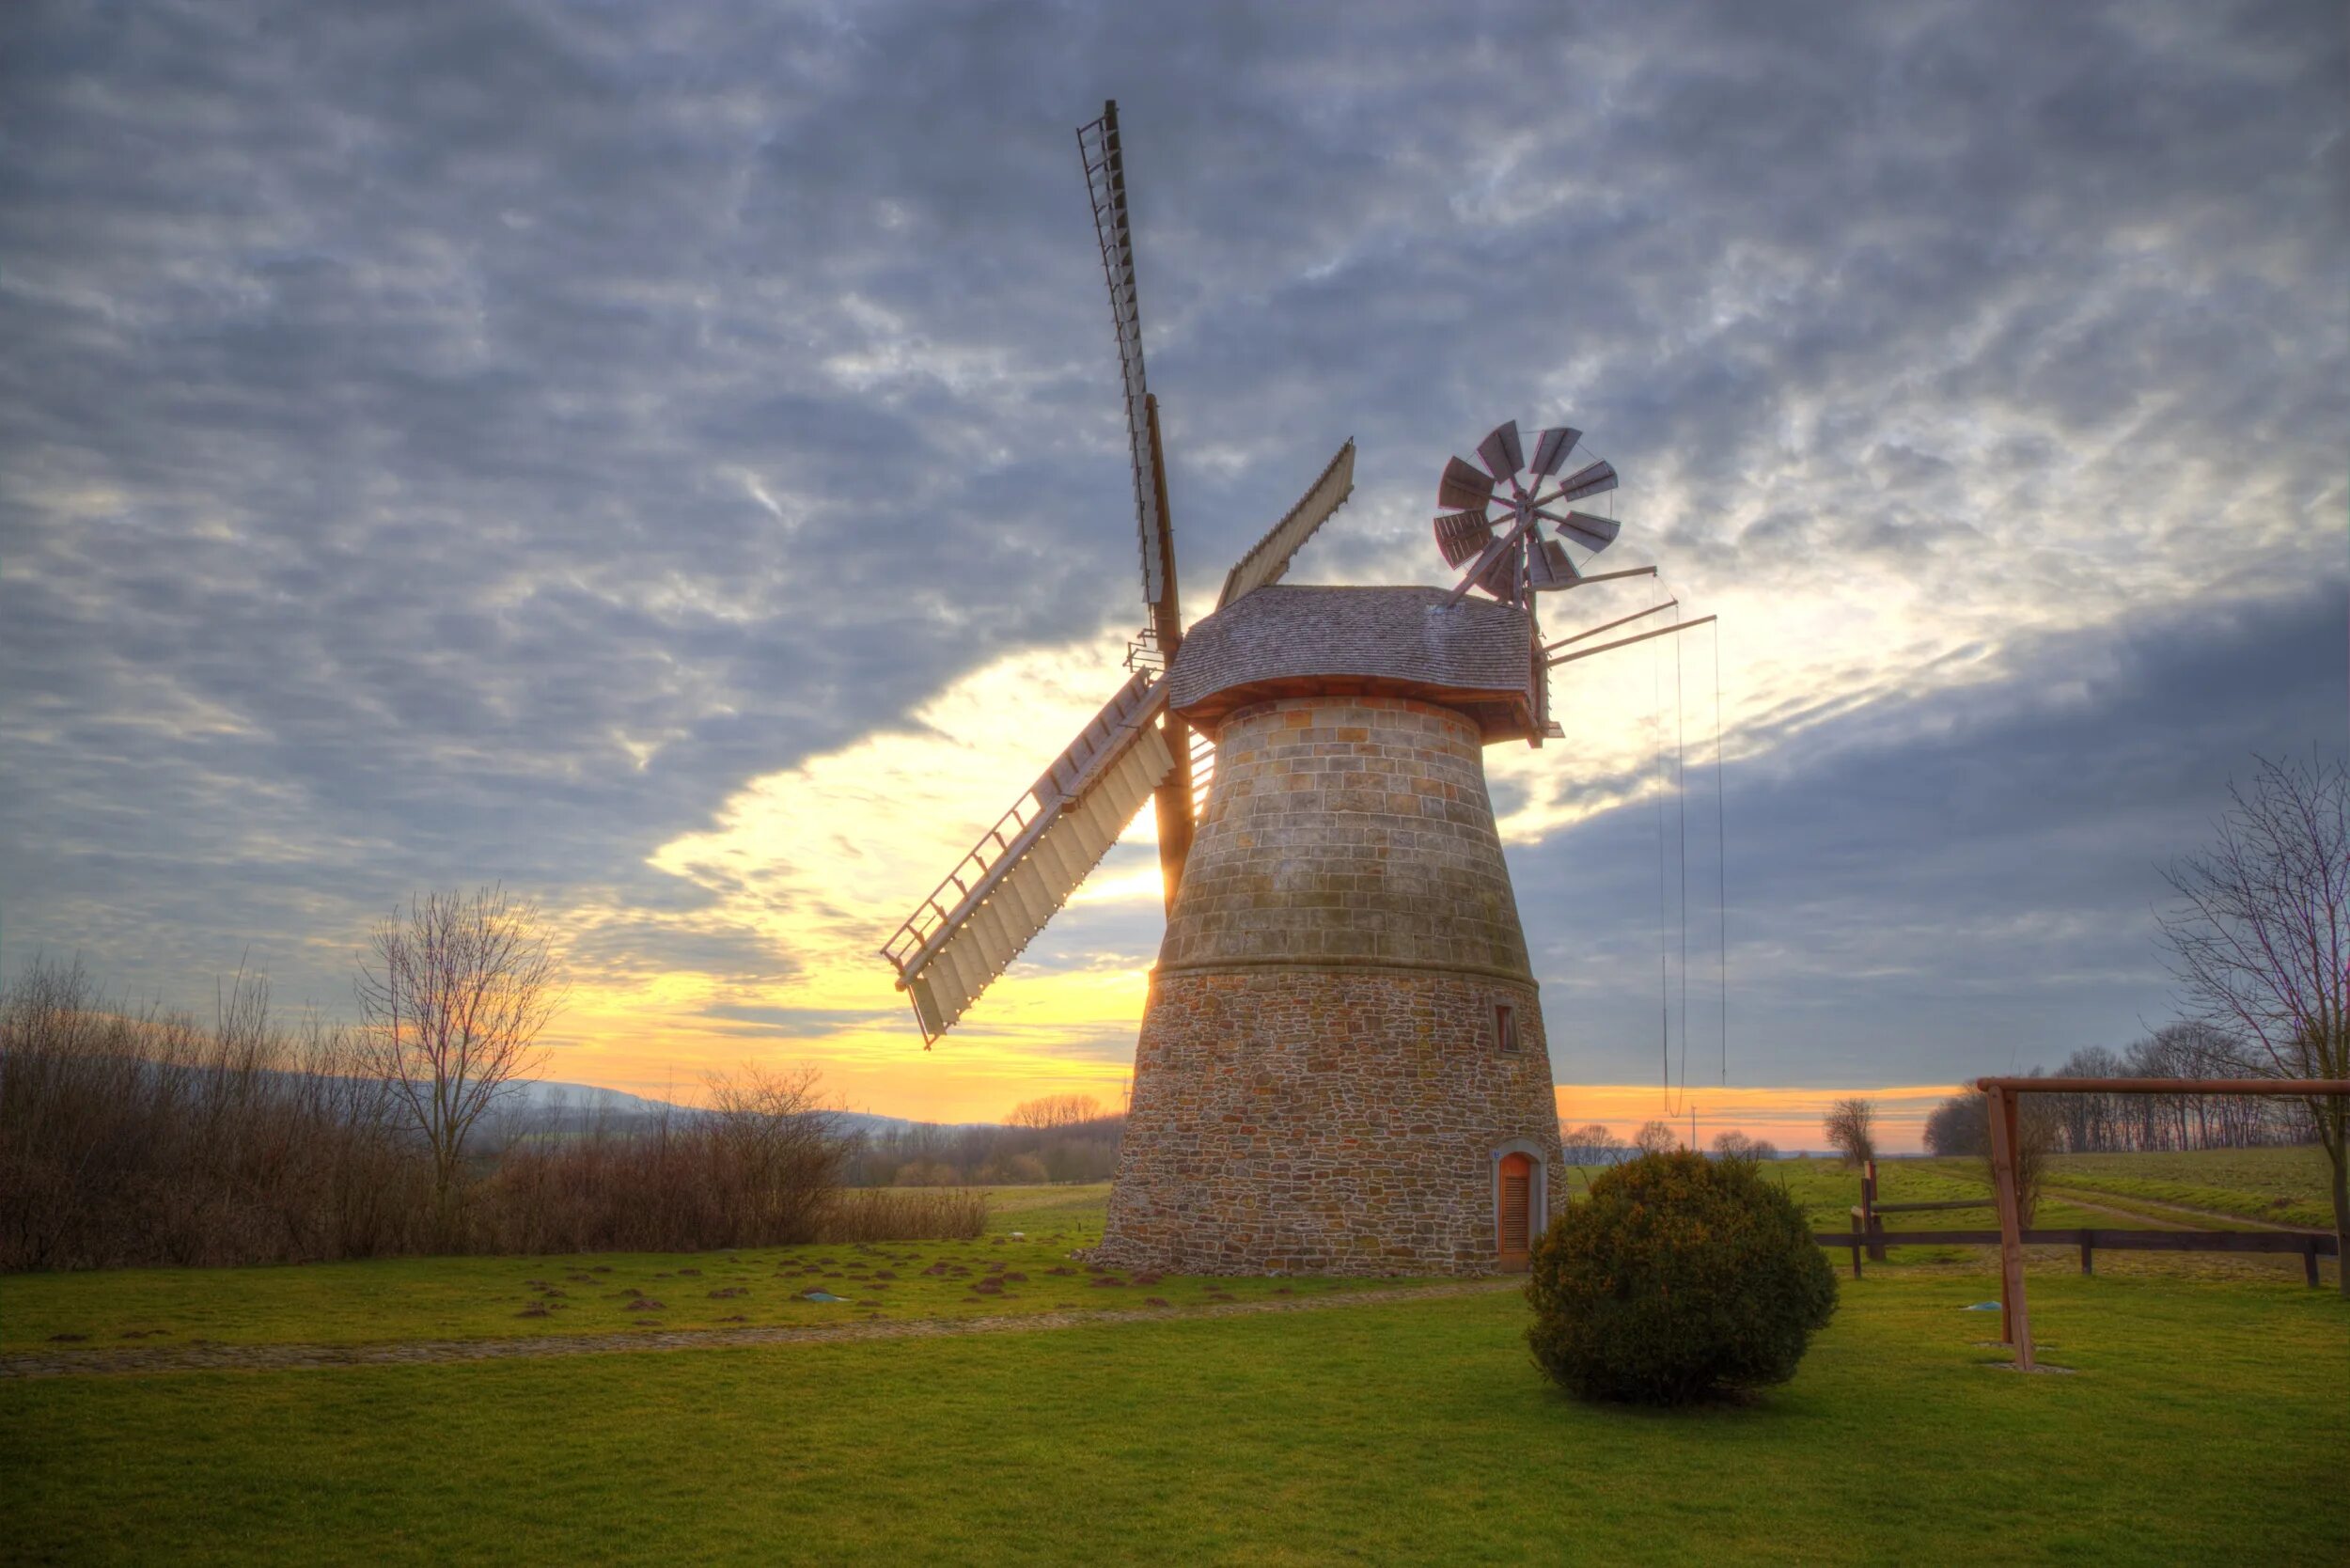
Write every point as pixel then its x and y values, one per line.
pixel 2260 940
pixel 1655 1138
pixel 1850 1128
pixel 1590 1144
pixel 452 998
pixel 1056 1110
pixel 2039 1128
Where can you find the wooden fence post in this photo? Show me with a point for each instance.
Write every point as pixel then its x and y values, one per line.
pixel 1870 1217
pixel 2309 1263
pixel 2014 1318
pixel 1856 1234
pixel 2088 1251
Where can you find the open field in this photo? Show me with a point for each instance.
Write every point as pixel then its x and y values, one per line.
pixel 2282 1187
pixel 2203 1421
pixel 397 1299
pixel 2204 1424
pixel 1021 1266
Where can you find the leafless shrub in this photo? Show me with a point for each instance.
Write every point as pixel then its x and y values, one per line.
pixel 1590 1144
pixel 1734 1145
pixel 1655 1138
pixel 137 1136
pixel 756 1169
pixel 1960 1125
pixel 2036 1139
pixel 1850 1128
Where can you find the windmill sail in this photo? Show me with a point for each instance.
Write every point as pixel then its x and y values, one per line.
pixel 1105 184
pixel 1269 558
pixel 1104 156
pixel 1023 869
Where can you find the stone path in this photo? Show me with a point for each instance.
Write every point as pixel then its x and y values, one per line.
pixel 72 1363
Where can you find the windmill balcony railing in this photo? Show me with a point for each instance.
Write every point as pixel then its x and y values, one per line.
pixel 914 936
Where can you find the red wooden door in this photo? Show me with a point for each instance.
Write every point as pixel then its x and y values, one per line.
pixel 1517 1208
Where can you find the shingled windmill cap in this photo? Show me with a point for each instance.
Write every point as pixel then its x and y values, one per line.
pixel 1293 640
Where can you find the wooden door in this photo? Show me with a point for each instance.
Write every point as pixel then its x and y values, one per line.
pixel 1517 1209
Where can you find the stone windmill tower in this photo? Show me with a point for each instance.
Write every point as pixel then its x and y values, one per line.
pixel 1342 1065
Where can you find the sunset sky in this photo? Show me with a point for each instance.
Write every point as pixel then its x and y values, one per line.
pixel 668 458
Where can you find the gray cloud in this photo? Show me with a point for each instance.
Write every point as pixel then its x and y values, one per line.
pixel 1923 890
pixel 471 440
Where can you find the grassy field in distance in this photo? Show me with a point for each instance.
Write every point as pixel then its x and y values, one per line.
pixel 2282 1187
pixel 2203 1424
pixel 1826 1192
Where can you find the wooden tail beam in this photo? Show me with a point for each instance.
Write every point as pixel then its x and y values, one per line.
pixel 1625 642
pixel 1611 626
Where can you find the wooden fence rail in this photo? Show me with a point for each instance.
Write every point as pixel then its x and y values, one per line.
pixel 2310 1245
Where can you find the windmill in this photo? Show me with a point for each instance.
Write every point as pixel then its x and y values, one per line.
pixel 1342 1066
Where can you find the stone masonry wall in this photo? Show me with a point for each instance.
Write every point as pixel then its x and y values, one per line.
pixel 1319 1087
pixel 1353 828
pixel 1320 1121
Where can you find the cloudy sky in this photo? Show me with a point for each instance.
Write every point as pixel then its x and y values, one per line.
pixel 668 458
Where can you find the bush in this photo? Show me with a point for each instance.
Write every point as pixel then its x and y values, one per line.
pixel 1677 1279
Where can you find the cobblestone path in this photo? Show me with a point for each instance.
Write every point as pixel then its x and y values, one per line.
pixel 212 1357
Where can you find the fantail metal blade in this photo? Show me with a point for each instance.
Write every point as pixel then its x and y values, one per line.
pixel 1462 536
pixel 1549 567
pixel 1586 481
pixel 1502 455
pixel 1551 449
pixel 1463 488
pixel 1592 533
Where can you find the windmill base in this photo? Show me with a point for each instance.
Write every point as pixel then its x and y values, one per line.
pixel 1348 1120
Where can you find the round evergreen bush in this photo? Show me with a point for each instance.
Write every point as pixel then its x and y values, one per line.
pixel 1679 1278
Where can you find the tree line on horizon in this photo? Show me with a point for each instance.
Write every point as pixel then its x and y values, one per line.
pixel 1055 1138
pixel 2101 1123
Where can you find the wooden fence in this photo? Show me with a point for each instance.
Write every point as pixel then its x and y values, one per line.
pixel 2310 1245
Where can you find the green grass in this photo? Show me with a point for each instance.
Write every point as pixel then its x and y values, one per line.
pixel 472 1299
pixel 2284 1186
pixel 2205 1424
pixel 1074 1210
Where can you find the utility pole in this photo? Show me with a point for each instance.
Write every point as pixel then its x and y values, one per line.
pixel 1693 1129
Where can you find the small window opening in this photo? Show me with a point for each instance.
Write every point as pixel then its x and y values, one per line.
pixel 1506 1028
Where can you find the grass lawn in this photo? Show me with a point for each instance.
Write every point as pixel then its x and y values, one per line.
pixel 470 1298
pixel 2205 1423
